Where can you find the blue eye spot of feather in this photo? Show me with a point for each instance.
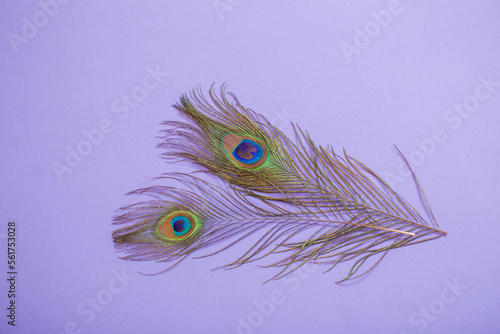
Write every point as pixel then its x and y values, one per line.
pixel 181 225
pixel 248 151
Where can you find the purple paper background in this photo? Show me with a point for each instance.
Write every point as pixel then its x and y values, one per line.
pixel 284 60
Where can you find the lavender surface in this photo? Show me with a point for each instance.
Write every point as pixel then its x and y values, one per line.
pixel 84 86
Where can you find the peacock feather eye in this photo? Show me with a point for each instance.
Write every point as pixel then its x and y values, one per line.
pixel 245 151
pixel 176 226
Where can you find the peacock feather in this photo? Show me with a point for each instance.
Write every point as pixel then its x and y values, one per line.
pixel 302 201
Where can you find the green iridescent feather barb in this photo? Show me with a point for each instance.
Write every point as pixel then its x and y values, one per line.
pixel 305 202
